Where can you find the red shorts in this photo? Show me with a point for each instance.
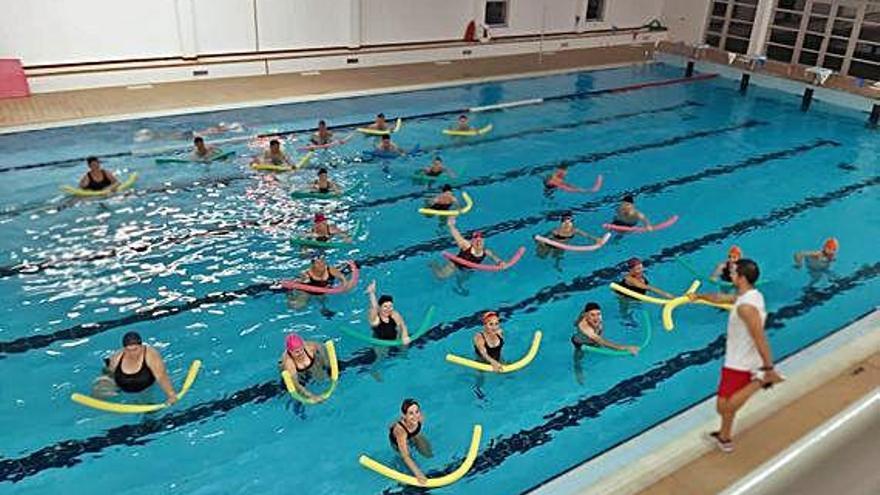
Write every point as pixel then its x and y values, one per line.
pixel 732 381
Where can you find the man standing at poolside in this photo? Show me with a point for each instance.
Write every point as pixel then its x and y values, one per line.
pixel 748 362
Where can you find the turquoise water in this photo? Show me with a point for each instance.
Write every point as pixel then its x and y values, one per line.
pixel 188 259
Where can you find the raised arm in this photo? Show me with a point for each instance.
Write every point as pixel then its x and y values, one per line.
pixel 373 311
pixel 717 272
pixel 459 239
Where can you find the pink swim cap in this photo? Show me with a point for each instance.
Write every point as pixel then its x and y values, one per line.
pixel 293 342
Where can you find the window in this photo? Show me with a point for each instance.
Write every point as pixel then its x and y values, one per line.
pixel 729 25
pixel 595 10
pixel 496 13
pixel 841 35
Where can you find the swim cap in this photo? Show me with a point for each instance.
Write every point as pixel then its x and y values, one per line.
pixel 293 342
pixel 590 306
pixel 131 338
pixel 384 298
pixel 489 314
pixel 322 171
pixel 380 116
pixel 633 262
pixel 407 403
pixel 831 244
pixel 567 214
pixel 447 187
pixel 735 252
pixel 319 217
pixel 629 199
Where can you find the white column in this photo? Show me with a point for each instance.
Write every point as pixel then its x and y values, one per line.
pixel 761 27
pixel 580 13
pixel 186 28
pixel 355 23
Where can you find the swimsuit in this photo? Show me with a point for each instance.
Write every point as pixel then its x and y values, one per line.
pixel 135 382
pixel 316 282
pixel 633 288
pixel 409 435
pixel 492 352
pixel 100 185
pixel 468 255
pixel 385 330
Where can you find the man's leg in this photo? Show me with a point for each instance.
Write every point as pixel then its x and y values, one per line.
pixel 727 407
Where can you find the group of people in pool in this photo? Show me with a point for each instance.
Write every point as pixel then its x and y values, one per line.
pixel 138 366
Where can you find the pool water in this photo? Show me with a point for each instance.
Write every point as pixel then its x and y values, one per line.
pixel 189 258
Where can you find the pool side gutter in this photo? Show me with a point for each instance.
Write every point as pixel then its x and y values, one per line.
pixel 662 450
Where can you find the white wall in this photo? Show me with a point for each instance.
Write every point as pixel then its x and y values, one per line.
pixel 67 31
pixel 224 26
pixel 401 21
pixel 293 24
pixel 685 19
pixel 529 16
pixel 629 13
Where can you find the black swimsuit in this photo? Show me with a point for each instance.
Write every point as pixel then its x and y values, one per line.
pixel 492 352
pixel 468 255
pixel 633 288
pixel 561 237
pixel 100 185
pixel 624 223
pixel 725 273
pixel 316 282
pixel 385 330
pixel 431 173
pixel 409 434
pixel 135 382
pixel 579 340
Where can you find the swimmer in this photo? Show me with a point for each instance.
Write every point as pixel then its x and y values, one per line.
pixel 201 151
pixel 557 179
pixel 386 322
pixel 319 274
pixel 323 231
pixel 300 358
pixel 436 169
pixel 324 185
pixel 322 136
pixel 379 124
pixel 567 230
pixel 409 429
pixel 636 281
pixel 97 178
pixel 443 201
pixel 722 271
pixel 818 260
pixel 137 366
pixel 386 146
pixel 589 328
pixel 490 340
pixel 628 216
pixel 472 250
pixel 274 155
pixel 463 124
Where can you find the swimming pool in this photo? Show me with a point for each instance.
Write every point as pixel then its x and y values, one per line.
pixel 188 259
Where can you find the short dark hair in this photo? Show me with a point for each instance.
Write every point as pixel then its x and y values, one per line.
pixel 322 170
pixel 274 141
pixel 386 137
pixel 748 269
pixel 629 199
pixel 407 403
pixel 384 298
pixel 590 306
pixel 131 338
pixel 91 159
pixel 198 139
pixel 321 122
pixel 380 116
pixel 447 187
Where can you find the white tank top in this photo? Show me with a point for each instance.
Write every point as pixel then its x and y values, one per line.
pixel 742 354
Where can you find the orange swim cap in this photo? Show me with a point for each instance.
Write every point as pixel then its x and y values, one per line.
pixel 831 244
pixel 735 252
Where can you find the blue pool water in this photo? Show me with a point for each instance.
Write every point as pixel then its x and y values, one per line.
pixel 189 257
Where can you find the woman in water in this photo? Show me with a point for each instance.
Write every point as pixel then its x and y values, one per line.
pixel 636 281
pixel 97 178
pixel 323 231
pixel 138 366
pixel 443 201
pixel 628 216
pixel 305 361
pixel 472 250
pixel 722 271
pixel 323 135
pixel 319 274
pixel 408 429
pixel 588 332
pixel 386 322
pixel 490 340
pixel 463 124
pixel 818 262
pixel 324 185
pixel 379 124
pixel 436 169
pixel 385 146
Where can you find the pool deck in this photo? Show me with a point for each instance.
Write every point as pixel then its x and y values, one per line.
pixel 118 103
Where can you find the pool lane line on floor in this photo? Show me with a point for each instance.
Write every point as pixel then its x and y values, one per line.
pixel 7 271
pixel 502 447
pixel 25 344
pixel 137 434
pixel 355 124
pixel 82 330
pixel 32 207
pixel 67 453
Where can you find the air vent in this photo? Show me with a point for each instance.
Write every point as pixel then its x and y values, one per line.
pixel 202 72
pixel 351 60
pixel 466 52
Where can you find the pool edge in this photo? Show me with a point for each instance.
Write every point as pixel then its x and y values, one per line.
pixel 662 450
